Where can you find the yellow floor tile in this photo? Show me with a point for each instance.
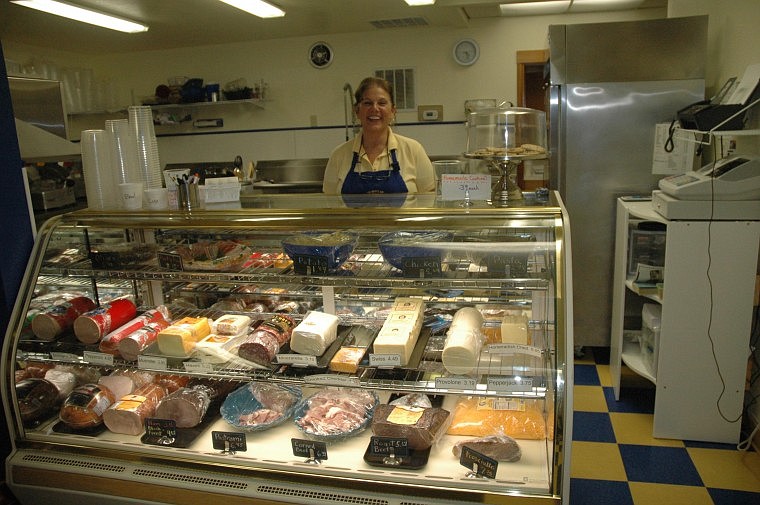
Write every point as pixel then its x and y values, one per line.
pixel 589 399
pixel 728 469
pixel 605 379
pixel 637 429
pixel 596 460
pixel 644 493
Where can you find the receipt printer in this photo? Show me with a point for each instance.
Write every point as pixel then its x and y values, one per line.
pixel 731 178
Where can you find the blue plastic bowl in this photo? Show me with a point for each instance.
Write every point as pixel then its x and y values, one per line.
pixel 335 246
pixel 398 245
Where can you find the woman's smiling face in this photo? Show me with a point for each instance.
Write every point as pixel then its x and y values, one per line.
pixel 376 109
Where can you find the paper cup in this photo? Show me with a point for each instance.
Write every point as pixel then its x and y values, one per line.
pixel 155 199
pixel 131 195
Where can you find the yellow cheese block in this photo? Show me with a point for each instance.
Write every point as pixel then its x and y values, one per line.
pixel 514 329
pixel 179 339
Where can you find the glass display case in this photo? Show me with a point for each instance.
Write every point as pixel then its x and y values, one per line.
pixel 310 350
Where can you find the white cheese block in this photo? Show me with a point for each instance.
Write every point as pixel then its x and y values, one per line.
pixel 231 324
pixel 461 350
pixel 210 349
pixel 396 340
pixel 314 334
pixel 514 329
pixel 408 305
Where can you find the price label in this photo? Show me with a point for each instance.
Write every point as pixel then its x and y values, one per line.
pixel 228 441
pixel 198 367
pixel 296 359
pixel 481 465
pixel 170 261
pixel 160 431
pixel 463 383
pixel 307 264
pixel 151 362
pixel 309 449
pixel 462 186
pixel 64 356
pixel 98 358
pixel 382 360
pixel 509 349
pixel 421 267
pixel 387 446
pixel 510 384
pixel 331 380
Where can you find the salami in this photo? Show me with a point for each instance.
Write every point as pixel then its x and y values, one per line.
pixel 134 344
pixel 110 342
pixel 53 321
pixel 128 415
pixel 91 326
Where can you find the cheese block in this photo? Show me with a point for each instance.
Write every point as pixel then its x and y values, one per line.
pixel 314 334
pixel 179 339
pixel 396 339
pixel 401 329
pixel 210 349
pixel 232 324
pixel 461 350
pixel 347 359
pixel 514 329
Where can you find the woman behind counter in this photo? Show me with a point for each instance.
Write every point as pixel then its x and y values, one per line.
pixel 378 160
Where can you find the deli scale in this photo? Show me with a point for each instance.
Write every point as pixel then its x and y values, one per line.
pixel 723 190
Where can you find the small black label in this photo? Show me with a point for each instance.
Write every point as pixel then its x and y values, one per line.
pixel 309 449
pixel 508 265
pixel 160 431
pixel 387 446
pixel 170 261
pixel 307 264
pixel 229 441
pixel 421 267
pixel 483 466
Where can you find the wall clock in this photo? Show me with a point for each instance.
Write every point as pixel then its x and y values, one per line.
pixel 320 54
pixel 466 52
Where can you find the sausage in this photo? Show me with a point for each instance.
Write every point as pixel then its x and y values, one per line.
pixel 128 415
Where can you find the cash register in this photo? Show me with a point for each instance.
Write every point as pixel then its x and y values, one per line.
pixel 728 188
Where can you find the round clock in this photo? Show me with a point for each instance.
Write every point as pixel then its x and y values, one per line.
pixel 320 54
pixel 466 52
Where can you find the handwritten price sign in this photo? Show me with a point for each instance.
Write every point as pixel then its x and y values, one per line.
pixel 461 186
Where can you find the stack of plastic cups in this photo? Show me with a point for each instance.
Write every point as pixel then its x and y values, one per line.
pixel 148 163
pixel 99 178
pixel 123 151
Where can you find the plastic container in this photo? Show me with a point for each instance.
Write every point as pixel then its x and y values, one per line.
pixel 505 132
pixel 649 339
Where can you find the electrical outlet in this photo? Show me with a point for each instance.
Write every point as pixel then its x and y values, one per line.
pixel 430 112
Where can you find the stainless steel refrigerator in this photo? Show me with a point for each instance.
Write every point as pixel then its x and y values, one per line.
pixel 610 84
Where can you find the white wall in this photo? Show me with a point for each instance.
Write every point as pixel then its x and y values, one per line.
pixel 298 91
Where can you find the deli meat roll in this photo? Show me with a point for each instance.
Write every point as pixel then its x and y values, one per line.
pixel 128 415
pixel 188 405
pixel 85 406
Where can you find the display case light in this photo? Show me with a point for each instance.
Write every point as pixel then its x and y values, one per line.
pixel 419 2
pixel 77 13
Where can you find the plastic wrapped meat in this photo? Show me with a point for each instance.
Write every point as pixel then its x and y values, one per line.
pixel 498 447
pixel 186 406
pixel 128 415
pixel 258 405
pixel 422 427
pixel 37 399
pixel 85 406
pixel 335 413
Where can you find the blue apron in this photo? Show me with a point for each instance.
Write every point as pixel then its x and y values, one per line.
pixel 381 181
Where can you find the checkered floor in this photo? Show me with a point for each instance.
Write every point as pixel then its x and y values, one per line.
pixel 616 461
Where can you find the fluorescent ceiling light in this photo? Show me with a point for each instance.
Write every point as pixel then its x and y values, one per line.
pixel 84 15
pixel 600 5
pixel 257 8
pixel 419 2
pixel 534 8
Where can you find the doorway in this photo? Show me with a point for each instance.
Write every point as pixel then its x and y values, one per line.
pixel 532 92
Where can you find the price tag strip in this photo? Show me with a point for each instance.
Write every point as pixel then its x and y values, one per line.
pixel 315 452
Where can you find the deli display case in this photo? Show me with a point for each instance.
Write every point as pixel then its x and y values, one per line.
pixel 311 350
